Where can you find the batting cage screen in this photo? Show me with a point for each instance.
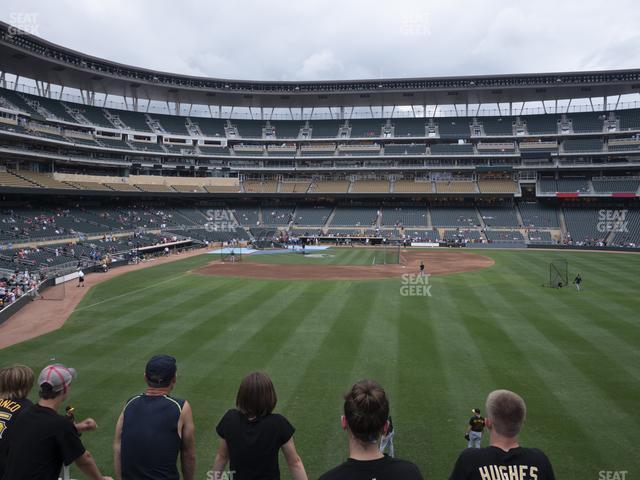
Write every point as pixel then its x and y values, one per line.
pixel 231 254
pixel 558 273
pixel 386 254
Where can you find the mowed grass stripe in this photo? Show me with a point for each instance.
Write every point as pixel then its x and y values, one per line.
pixel 302 345
pixel 423 402
pixel 481 330
pixel 467 376
pixel 151 318
pixel 572 368
pixel 328 374
pixel 180 324
pixel 501 353
pixel 582 314
pixel 554 361
pixel 290 372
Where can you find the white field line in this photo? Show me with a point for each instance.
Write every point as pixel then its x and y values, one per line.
pixel 171 279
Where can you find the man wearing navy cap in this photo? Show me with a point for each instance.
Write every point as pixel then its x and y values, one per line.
pixel 154 428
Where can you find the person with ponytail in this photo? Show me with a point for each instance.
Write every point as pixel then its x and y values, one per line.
pixel 366 420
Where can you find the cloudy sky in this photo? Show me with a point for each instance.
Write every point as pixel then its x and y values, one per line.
pixel 329 39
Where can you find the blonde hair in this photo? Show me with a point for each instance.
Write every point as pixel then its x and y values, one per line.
pixel 507 412
pixel 16 382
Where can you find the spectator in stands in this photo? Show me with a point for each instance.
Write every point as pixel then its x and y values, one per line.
pixel 251 435
pixel 504 458
pixel 154 428
pixel 40 441
pixel 366 420
pixel 16 382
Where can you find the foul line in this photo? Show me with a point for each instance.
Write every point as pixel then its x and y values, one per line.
pixel 130 293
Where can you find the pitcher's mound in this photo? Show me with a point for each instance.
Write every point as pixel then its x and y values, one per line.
pixel 436 263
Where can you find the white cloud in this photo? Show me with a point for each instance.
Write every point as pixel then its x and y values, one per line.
pixel 323 65
pixel 323 39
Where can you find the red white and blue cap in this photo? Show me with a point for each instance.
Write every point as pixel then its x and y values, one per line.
pixel 57 376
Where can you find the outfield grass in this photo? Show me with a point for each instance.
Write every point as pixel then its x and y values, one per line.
pixel 573 356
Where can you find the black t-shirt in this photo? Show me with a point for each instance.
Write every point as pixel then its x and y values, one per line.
pixel 254 444
pixel 493 462
pixel 385 468
pixel 40 441
pixel 9 411
pixel 476 424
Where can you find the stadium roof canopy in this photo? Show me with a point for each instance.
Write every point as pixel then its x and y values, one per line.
pixel 32 57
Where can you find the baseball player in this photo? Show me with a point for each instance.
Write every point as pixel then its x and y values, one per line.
pixel 80 278
pixel 577 281
pixel 421 268
pixel 473 435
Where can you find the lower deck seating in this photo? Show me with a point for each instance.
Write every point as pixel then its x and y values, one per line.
pixel 540 237
pixel 404 216
pixel 540 215
pixel 628 234
pixel 583 225
pixel 421 235
pixel 246 216
pixel 499 216
pixel 454 216
pixel 312 216
pixel 504 236
pixel 355 216
pixel 277 215
pixel 462 235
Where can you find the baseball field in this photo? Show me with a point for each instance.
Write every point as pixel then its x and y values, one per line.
pixel 438 351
